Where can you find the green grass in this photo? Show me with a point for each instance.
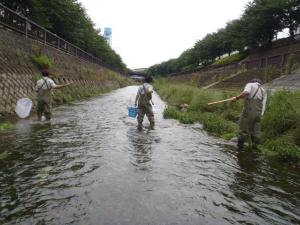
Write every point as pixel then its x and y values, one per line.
pixel 172 112
pixel 69 94
pixel 219 126
pixel 282 114
pixel 42 61
pixel 230 59
pixel 280 124
pixel 282 150
pixel 123 81
pixel 212 117
pixel 6 126
pixel 3 155
pixel 77 92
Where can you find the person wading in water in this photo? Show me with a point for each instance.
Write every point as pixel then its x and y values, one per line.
pixel 44 88
pixel 254 107
pixel 143 101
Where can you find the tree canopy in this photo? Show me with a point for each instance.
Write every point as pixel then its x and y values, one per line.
pixel 259 25
pixel 68 19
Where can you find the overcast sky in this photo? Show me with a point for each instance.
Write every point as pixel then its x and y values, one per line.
pixel 147 32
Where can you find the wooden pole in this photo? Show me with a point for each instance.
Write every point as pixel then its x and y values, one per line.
pixel 216 102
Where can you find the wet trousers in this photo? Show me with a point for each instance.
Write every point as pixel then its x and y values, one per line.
pixel 250 123
pixel 249 128
pixel 142 110
pixel 44 104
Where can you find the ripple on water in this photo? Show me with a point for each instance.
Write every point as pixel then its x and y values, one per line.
pixel 92 166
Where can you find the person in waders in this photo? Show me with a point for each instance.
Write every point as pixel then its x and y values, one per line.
pixel 44 88
pixel 254 107
pixel 143 100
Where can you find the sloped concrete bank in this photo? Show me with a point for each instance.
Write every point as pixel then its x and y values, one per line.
pixel 18 74
pixel 288 82
pixel 266 64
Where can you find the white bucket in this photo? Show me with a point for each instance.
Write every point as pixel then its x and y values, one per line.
pixel 23 107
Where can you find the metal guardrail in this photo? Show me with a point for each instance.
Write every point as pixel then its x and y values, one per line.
pixel 30 29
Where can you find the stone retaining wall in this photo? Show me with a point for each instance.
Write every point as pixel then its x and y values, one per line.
pixel 18 74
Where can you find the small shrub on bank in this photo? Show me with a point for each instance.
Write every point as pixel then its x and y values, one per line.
pixel 230 59
pixel 216 124
pixel 202 97
pixel 280 124
pixel 42 61
pixel 231 115
pixel 123 81
pixel 283 113
pixel 229 136
pixel 187 118
pixel 282 150
pixel 171 113
pixel 6 126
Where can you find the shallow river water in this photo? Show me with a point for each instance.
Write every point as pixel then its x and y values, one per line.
pixel 92 166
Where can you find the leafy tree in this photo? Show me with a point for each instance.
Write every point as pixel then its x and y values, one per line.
pixel 225 42
pixel 260 23
pixel 68 19
pixel 289 15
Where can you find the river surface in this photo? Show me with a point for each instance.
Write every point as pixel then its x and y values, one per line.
pixel 91 166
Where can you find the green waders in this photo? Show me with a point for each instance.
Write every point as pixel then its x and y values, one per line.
pixel 44 103
pixel 144 107
pixel 250 122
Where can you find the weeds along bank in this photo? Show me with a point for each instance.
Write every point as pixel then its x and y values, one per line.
pixel 21 60
pixel 280 125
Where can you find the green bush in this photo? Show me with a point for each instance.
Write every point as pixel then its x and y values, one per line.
pixel 280 124
pixel 187 118
pixel 42 61
pixel 230 59
pixel 231 115
pixel 229 136
pixel 6 126
pixel 197 99
pixel 282 150
pixel 216 124
pixel 3 155
pixel 171 113
pixel 283 112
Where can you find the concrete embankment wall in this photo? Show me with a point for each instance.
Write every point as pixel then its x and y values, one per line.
pixel 18 74
pixel 253 66
pixel 208 75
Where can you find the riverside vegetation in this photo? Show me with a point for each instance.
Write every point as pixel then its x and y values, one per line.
pixel 4 126
pixel 108 81
pixel 280 124
pixel 249 33
pixel 69 20
pixel 70 94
